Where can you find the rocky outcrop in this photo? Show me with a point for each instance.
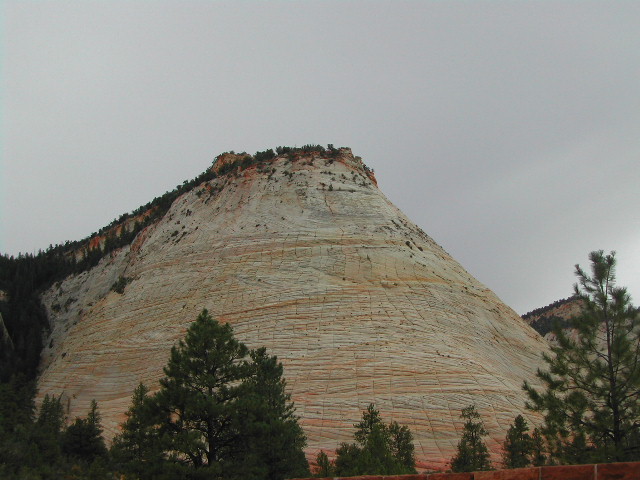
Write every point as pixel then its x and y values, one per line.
pixel 302 254
pixel 543 319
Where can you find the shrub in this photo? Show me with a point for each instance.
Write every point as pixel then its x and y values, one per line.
pixel 120 284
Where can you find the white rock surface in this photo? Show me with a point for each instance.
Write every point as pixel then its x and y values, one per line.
pixel 313 262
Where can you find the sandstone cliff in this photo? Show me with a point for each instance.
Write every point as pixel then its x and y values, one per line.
pixel 304 255
pixel 543 319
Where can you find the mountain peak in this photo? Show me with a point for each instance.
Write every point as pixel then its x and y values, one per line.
pixel 301 253
pixel 235 163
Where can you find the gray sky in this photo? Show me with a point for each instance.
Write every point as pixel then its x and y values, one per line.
pixel 508 131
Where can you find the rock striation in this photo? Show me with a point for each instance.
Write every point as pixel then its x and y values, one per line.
pixel 302 254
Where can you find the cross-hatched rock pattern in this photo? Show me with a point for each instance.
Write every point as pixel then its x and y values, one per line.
pixel 307 257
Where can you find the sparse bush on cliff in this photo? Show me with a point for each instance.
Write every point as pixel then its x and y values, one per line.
pixel 312 148
pixel 120 284
pixel 541 310
pixel 264 156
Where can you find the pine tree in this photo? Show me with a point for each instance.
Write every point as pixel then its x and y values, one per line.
pixel 272 442
pixel 538 457
pixel 221 411
pixel 518 445
pixel 365 427
pixel 47 430
pixel 324 468
pixel 82 440
pixel 402 445
pixel 590 403
pixel 379 449
pixel 472 454
pixel 16 426
pixel 198 393
pixel 16 403
pixel 347 462
pixel 376 456
pixel 137 450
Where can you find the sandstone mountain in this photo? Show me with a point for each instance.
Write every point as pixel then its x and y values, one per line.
pixel 303 254
pixel 543 319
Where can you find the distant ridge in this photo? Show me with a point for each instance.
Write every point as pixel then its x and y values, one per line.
pixel 543 319
pixel 561 311
pixel 541 310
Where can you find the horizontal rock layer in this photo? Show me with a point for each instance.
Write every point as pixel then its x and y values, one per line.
pixel 309 259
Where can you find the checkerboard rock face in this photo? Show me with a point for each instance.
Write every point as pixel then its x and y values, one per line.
pixel 308 258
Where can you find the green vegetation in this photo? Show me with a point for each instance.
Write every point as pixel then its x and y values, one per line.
pixel 24 318
pixel 472 454
pixel 82 440
pixel 221 411
pixel 542 310
pixel 518 445
pixel 538 456
pixel 262 157
pixel 137 449
pixel 379 449
pixel 590 403
pixel 120 284
pixel 324 467
pixel 521 449
pixel 42 447
pixel 546 324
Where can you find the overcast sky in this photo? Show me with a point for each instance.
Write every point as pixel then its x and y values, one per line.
pixel 508 131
